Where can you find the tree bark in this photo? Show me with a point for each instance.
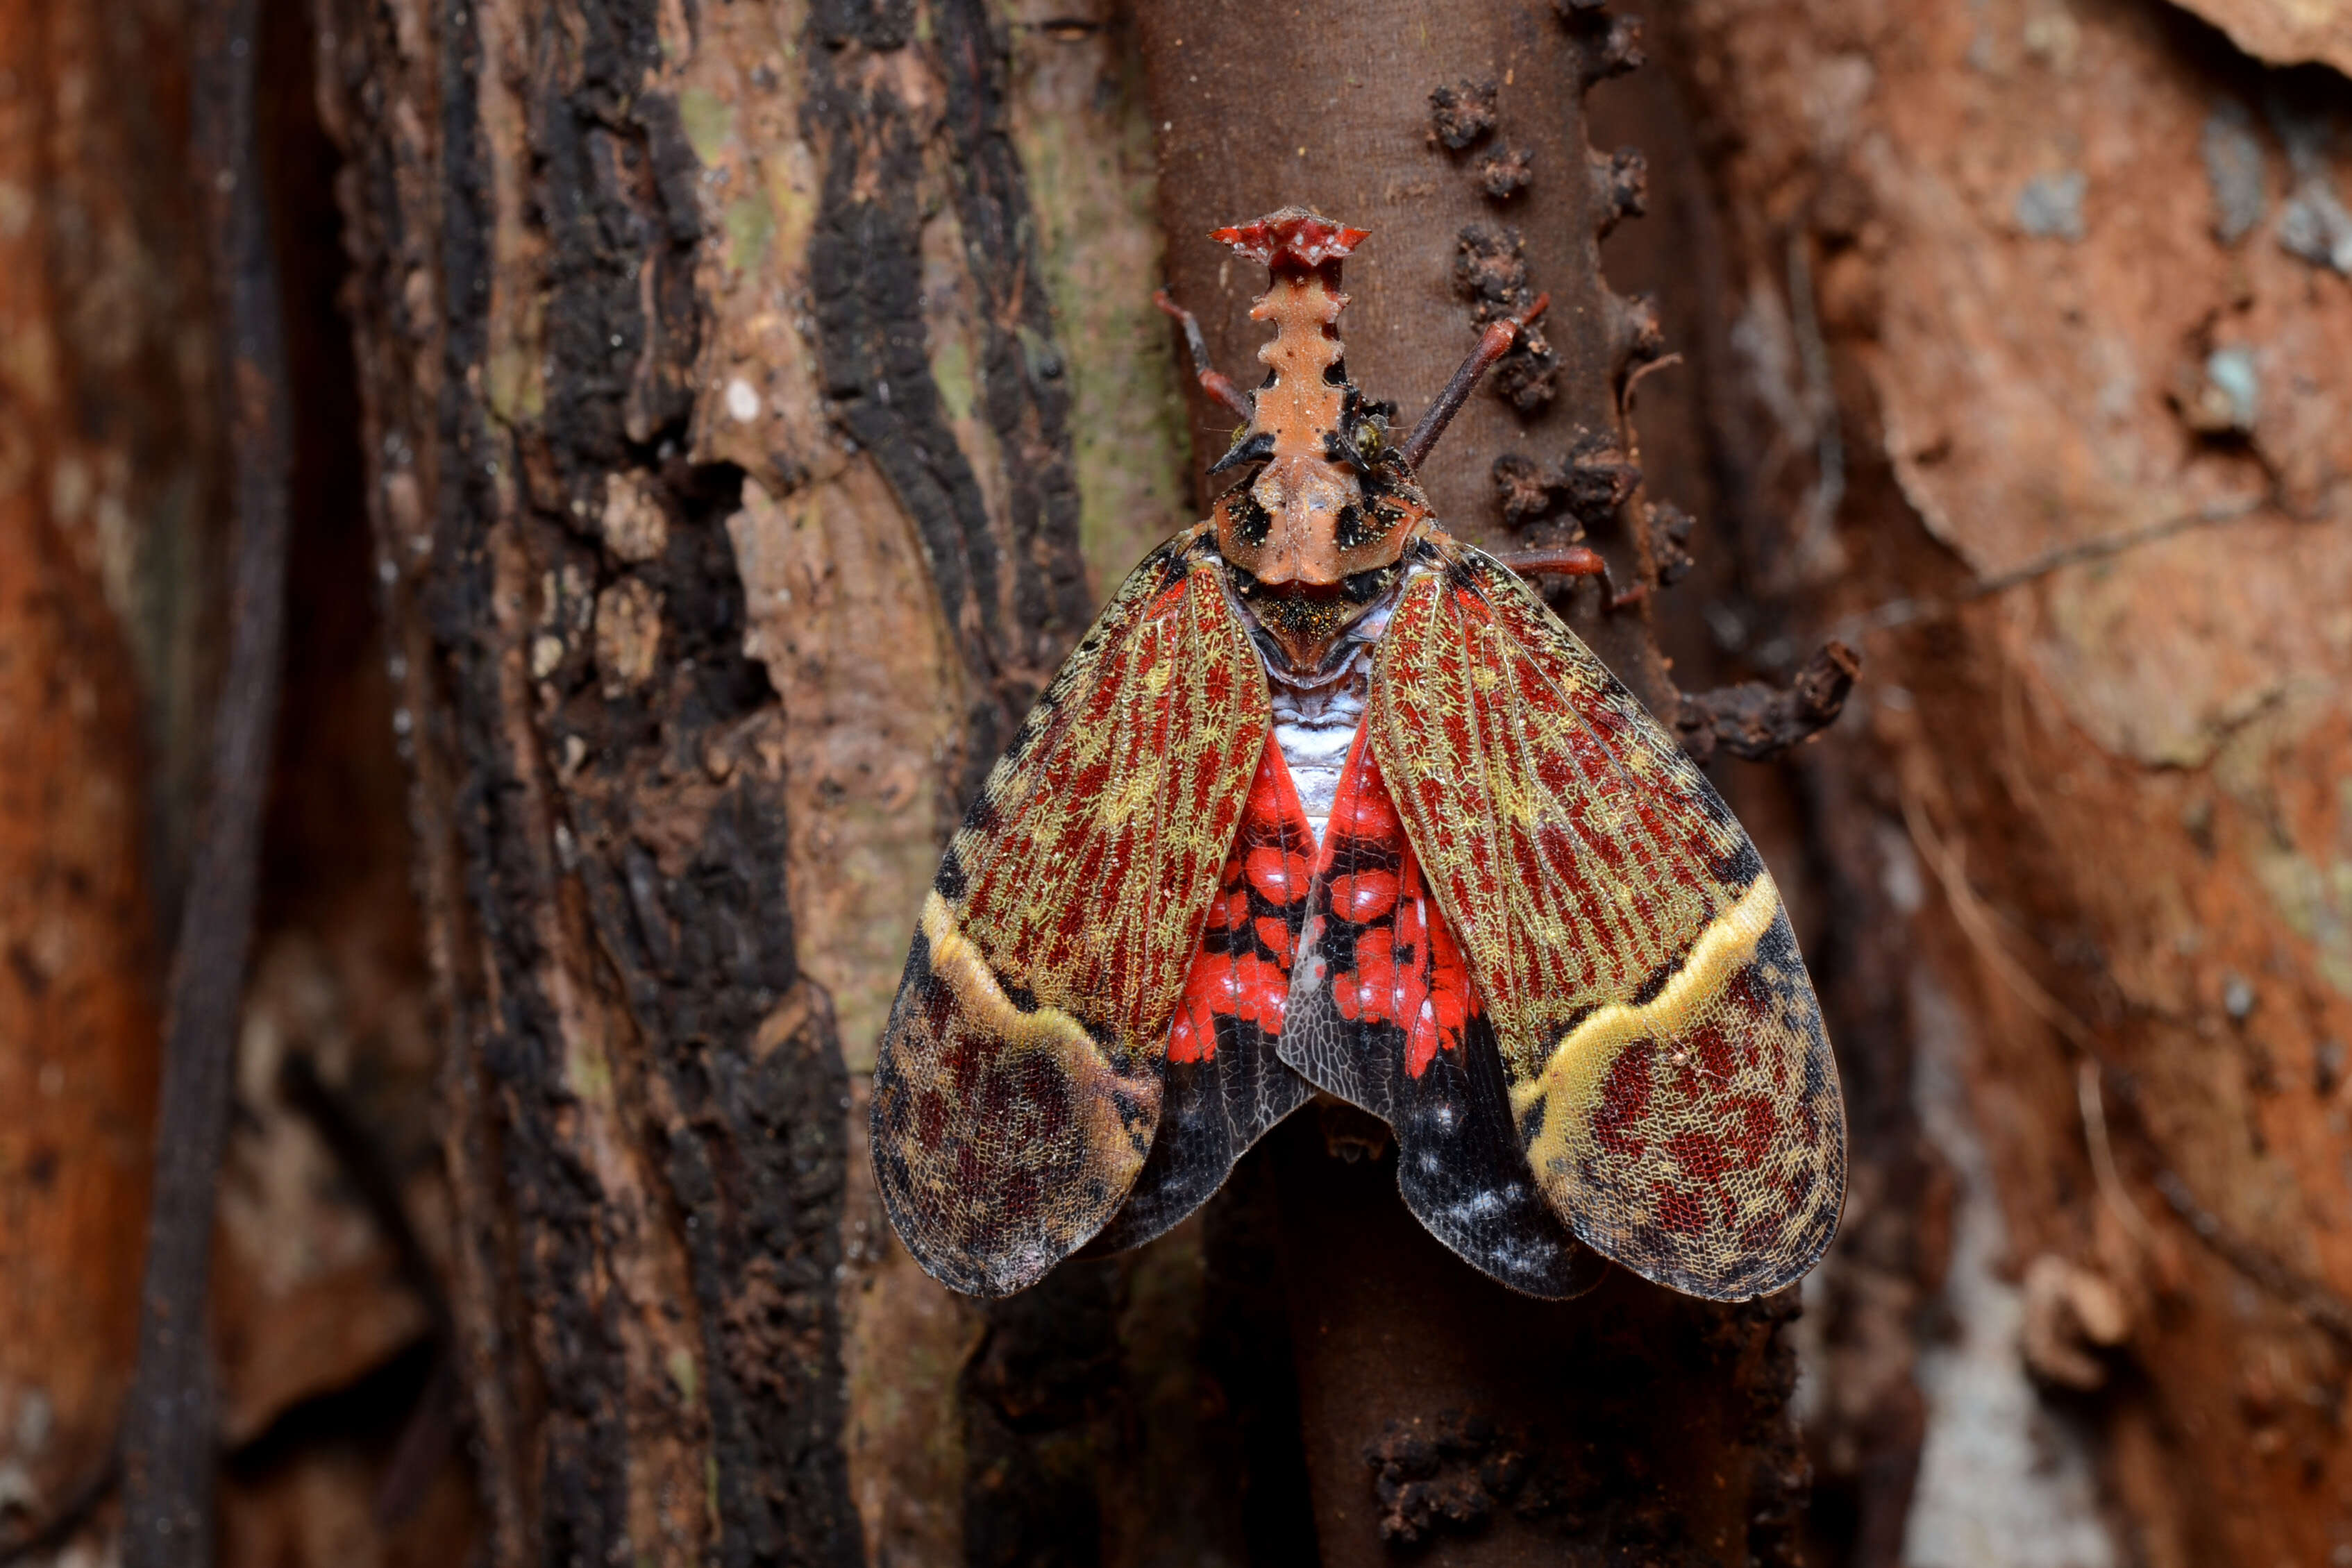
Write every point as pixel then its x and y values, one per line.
pixel 105 472
pixel 643 1095
pixel 758 401
pixel 2024 373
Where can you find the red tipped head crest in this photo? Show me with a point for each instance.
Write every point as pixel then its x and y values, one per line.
pixel 1294 235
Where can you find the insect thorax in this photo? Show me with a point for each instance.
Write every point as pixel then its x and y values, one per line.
pixel 1314 529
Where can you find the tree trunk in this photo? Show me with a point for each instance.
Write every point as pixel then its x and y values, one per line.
pixel 1632 1416
pixel 758 400
pixel 2024 371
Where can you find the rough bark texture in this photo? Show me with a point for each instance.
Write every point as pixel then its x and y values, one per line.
pixel 758 401
pixel 102 431
pixel 643 1097
pixel 2024 373
pixel 752 401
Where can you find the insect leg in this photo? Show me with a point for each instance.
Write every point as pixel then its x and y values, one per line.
pixel 1497 342
pixel 1574 561
pixel 1213 380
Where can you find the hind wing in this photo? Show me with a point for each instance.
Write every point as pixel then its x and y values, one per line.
pixel 1668 1072
pixel 1019 1084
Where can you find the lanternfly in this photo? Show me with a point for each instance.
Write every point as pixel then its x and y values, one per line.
pixel 1328 800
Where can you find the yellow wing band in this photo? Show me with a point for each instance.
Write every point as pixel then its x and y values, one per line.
pixel 1571 1080
pixel 1097 1088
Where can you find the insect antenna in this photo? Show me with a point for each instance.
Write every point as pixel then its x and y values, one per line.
pixel 1213 382
pixel 1493 345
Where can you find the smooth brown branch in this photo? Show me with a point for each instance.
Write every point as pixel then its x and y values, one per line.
pixel 1493 345
pixel 169 1438
pixel 1758 721
pixel 1213 380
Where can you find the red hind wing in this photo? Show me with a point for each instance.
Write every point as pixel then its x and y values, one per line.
pixel 1018 1087
pixel 1224 1086
pixel 1668 1072
pixel 1383 1014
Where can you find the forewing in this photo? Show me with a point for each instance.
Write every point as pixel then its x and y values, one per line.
pixel 1224 1086
pixel 1018 1086
pixel 1384 1015
pixel 1669 1075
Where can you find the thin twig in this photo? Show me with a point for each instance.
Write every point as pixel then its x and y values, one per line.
pixel 1643 373
pixel 168 1434
pixel 1981 926
pixel 2091 1104
pixel 2315 1302
pixel 1903 611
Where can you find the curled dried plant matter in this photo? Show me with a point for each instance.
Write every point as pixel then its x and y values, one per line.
pixel 1450 1473
pixel 1490 271
pixel 1462 113
pixel 1528 376
pixel 1526 487
pixel 1588 485
pixel 1621 185
pixel 2073 1315
pixel 1640 337
pixel 1612 44
pixel 1506 172
pixel 1670 532
pixel 1757 721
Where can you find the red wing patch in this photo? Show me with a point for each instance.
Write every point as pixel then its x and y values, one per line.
pixel 1019 1087
pixel 1241 976
pixel 1669 1075
pixel 1225 1084
pixel 1383 1014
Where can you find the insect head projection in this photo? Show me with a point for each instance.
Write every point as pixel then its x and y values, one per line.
pixel 1328 800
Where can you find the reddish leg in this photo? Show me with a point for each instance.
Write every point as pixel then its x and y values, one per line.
pixel 1497 342
pixel 1574 561
pixel 1213 380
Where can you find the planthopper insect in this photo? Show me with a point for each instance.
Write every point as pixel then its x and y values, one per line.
pixel 1328 800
